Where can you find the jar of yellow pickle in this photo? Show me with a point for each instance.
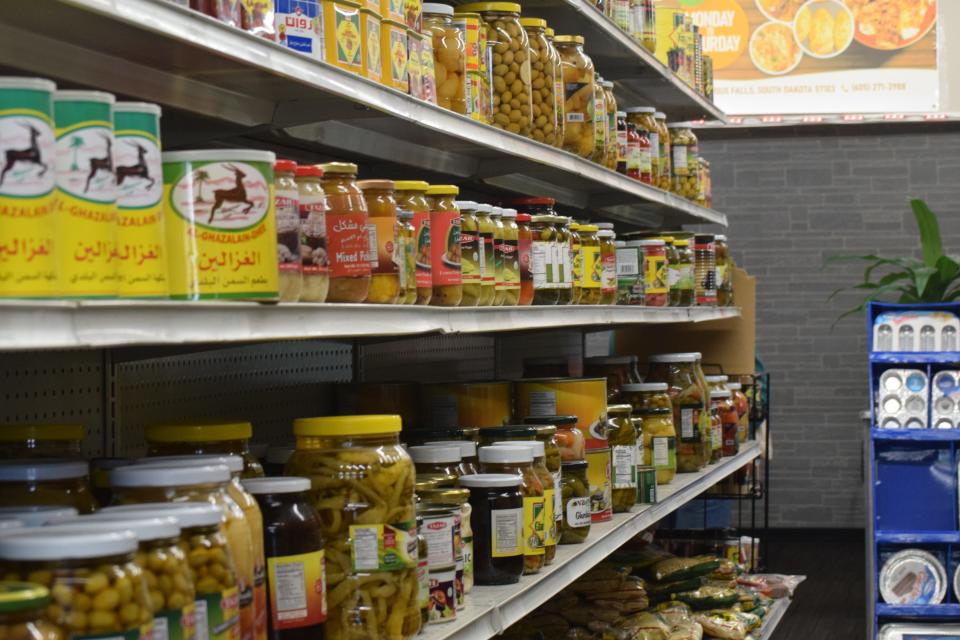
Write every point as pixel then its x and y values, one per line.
pixel 22 606
pixel 41 440
pixel 579 134
pixel 445 263
pixel 601 133
pixel 486 230
pixel 608 266
pixel 471 253
pixel 543 82
pixel 685 151
pixel 363 490
pixel 499 273
pixel 412 196
pixel 511 258
pixel 49 481
pixel 407 254
pixel 663 138
pixel 231 438
pixel 382 230
pixel 558 94
pixel 564 260
pixel 448 55
pixel 591 265
pixel 611 104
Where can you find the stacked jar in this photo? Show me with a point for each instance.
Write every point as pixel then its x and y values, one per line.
pixel 543 82
pixel 579 135
pixel 558 89
pixel 448 54
pixel 228 438
pixel 688 392
pixel 652 406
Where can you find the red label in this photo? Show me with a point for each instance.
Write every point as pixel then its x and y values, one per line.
pixel 421 222
pixel 523 248
pixel 386 232
pixel 608 264
pixel 349 244
pixel 445 247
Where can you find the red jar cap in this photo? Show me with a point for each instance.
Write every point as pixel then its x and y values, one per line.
pixel 309 170
pixel 523 217
pixel 539 201
pixel 285 165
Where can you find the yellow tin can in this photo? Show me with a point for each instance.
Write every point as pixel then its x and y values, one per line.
pixel 393 49
pixel 413 14
pixel 392 10
pixel 341 34
pixel 585 398
pixel 467 404
pixel 414 73
pixel 601 492
pixel 380 398
pixel 220 225
pixel 370 45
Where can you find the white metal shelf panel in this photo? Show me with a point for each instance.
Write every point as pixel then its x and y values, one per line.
pixel 157 51
pixel 59 324
pixel 491 610
pixel 773 619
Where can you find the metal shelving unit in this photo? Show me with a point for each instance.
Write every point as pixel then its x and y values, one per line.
pixel 773 618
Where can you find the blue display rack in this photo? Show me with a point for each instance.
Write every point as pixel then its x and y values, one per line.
pixel 912 494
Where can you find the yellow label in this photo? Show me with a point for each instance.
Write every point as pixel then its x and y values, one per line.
pixel 398 57
pixel 342 36
pixel 550 517
pixel 534 526
pixel 372 63
pixel 598 474
pixel 592 268
pixel 655 274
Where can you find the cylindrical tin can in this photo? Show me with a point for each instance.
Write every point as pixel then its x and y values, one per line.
pixel 585 398
pixel 467 404
pixel 646 484
pixel 380 398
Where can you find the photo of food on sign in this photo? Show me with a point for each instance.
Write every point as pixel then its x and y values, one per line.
pixel 819 56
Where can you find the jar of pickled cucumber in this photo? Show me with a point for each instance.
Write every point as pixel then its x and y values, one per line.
pixel 406 250
pixel 363 490
pixel 579 134
pixel 544 262
pixel 564 260
pixel 644 120
pixel 665 179
pixel 348 244
pixel 611 105
pixel 230 438
pixel 685 150
pixel 499 265
pixel 659 438
pixel 601 134
pixel 486 230
pixel 471 253
pixel 558 93
pixel 622 436
pixel 510 258
pixel 575 493
pixel 542 81
pixel 510 73
pixel 412 196
pixel 445 263
pixel 448 55
pixel 22 607
pixel 41 440
pixel 691 409
pixel 96 589
pixel 48 481
pixel 608 266
pixel 382 232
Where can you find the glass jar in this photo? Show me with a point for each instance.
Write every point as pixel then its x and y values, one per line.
pixel 348 241
pixel 441 528
pixel 618 370
pixel 382 231
pixel 646 395
pixel 564 266
pixel 358 459
pixel 41 440
pixel 545 263
pixel 629 278
pixel 579 134
pixel 575 490
pixel 469 463
pixel 729 422
pixel 624 443
pixel 488 261
pixel 621 166
pixel 50 481
pixel 558 93
pixel 286 204
pixel 518 461
pixel 568 436
pixel 445 264
pixel 611 125
pixel 608 266
pixel 542 81
pixel 294 551
pixel 232 438
pixel 312 208
pixel 496 518
pixel 665 179
pixel 644 121
pixel 742 406
pixel 680 275
pixel 685 151
pixel 407 250
pixel 724 276
pixel 436 459
pixel 634 152
pixel 411 196
pixel 600 131
pixel 100 469
pixel 577 276
pixel 588 264
pixel 35 515
pixel 716 430
pixel 705 270
pixel 656 292
pixel 276 460
pixel 510 74
pixel 456 500
pixel 471 253
pixel 22 606
pixel 509 258
pixel 691 415
pixel 96 588
pixel 448 55
pixel 672 257
pixel 659 437
pixel 524 250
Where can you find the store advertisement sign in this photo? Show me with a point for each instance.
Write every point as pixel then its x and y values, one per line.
pixel 820 56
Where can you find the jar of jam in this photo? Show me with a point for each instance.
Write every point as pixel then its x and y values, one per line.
pixel 412 196
pixel 348 242
pixel 382 231
pixel 524 249
pixel 445 264
pixel 575 492
pixel 497 522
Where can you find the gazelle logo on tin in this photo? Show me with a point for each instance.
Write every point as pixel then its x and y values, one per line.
pixel 139 172
pixel 228 196
pixel 27 149
pixel 85 164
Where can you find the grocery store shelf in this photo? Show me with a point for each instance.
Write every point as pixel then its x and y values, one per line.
pixel 490 610
pixel 918 537
pixel 927 435
pixel 59 325
pixel 221 85
pixel 905 357
pixel 938 611
pixel 773 618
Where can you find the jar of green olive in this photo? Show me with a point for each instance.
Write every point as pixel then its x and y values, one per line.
pixel 564 260
pixel 22 606
pixel 646 395
pixel 686 166
pixel 544 265
pixel 575 493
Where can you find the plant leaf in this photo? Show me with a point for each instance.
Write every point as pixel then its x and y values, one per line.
pixel 929 228
pixel 921 279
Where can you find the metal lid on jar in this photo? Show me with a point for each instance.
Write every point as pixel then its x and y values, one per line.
pixel 36 544
pixel 468 448
pixel 550 32
pixel 574 465
pixel 640 110
pixel 22 596
pixel 634 387
pixel 490 481
pixel 438 8
pixel 145 529
pixel 651 242
pixel 568 39
pixel 287 166
pixel 444 495
pixel 535 447
pixel 346 426
pixel 719 394
pixel 692 356
pixel 480 7
pixel 148 476
pixel 40 470
pixel 523 217
pixel 339 168
pixel 468 205
pixel 552 420
pixel 720 237
pixel 282 484
pixel 606 233
pixel 496 212
pixel 716 378
pixel 38 515
pixel 187 514
pixel 535 23
pixel 232 462
pixel 199 432
pixel 619 408
pixel 443 190
pixel 510 431
pixel 375 185
pixel 37 84
pixel 503 454
pixel 434 454
pixel 588 228
pixel 309 171
pixel 44 432
pixel 411 185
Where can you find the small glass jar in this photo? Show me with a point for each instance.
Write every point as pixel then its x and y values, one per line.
pixel 348 242
pixel 231 438
pixel 729 422
pixel 407 252
pixel 629 278
pixel 588 263
pixel 608 266
pixel 487 232
pixel 568 437
pixel 41 440
pixel 659 438
pixel 286 204
pixel 656 291
pixel 448 55
pixel 646 124
pixel 618 370
pixel 469 463
pixel 22 606
pixel 518 461
pixel 724 276
pixel 646 395
pixel 313 234
pixel 524 257
pixel 382 231
pixel 579 78
pixel 574 229
pixel 685 151
pixel 611 125
pixel 705 269
pixel 445 263
pixel 564 254
pixel 471 253
pixel 50 481
pixel 558 95
pixel 542 82
pixel 634 152
pixel 691 415
pixel 509 257
pixel 621 166
pixel 293 546
pixel 600 131
pixel 665 179
pixel 437 459
pixel 622 436
pixel 495 501
pixel 681 275
pixel 544 262
pixel 411 196
pixel 575 490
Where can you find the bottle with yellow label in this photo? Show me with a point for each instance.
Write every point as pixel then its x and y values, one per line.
pixel 591 266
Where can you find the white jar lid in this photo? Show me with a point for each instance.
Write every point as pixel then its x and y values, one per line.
pixel 491 480
pixel 468 448
pixel 502 454
pixel 436 7
pixel 187 514
pixel 719 393
pixel 10 523
pixel 734 386
pixel 40 470
pixel 537 450
pixel 283 484
pixel 432 454
pixel 37 84
pixel 509 213
pixel 651 242
pixel 496 212
pixel 65 95
pixel 38 515
pixel 143 527
pixel 279 455
pixel 232 462
pixel 641 110
pixel 604 225
pixel 36 544
pixel 484 208
pixel 644 386
pixel 716 378
pixel 466 204
pixel 149 476
pixel 660 115
pixel 675 357
pixel 137 107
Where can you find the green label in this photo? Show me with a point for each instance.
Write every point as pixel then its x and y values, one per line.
pixel 381 547
pixel 218 615
pixel 663 452
pixel 175 624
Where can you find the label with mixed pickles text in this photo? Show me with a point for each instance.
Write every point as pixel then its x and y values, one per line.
pixel 380 547
pixel 689 419
pixel 534 525
pixel 592 269
pixel 578 512
pixel 680 159
pixel 506 532
pixel 421 223
pixel 218 615
pixel 348 240
pixel 624 466
pixel 664 452
pixel 297 596
pixel 445 248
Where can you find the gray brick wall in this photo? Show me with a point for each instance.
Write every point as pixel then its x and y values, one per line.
pixel 792 202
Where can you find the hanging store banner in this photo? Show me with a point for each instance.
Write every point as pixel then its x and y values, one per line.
pixel 820 56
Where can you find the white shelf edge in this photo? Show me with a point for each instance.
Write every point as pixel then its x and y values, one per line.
pixel 491 610
pixel 773 618
pixel 98 324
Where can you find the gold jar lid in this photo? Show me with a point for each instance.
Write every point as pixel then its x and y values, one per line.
pixel 444 496
pixel 480 7
pixel 568 39
pixel 339 168
pixel 535 23
pixel 411 185
pixel 376 185
pixel 443 190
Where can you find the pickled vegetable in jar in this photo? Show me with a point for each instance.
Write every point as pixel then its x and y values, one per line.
pixel 348 242
pixel 436 459
pixel 742 406
pixel 469 463
pixel 601 132
pixel 518 461
pixel 524 257
pixel 665 179
pixel 509 258
pixel 577 277
pixel 691 413
pixel 445 263
pixel 477 73
pixel 629 278
pixel 499 296
pixel 579 134
pixel 589 264
pixel 716 430
pixel 621 166
pixel 622 436
pixel 48 481
pixel 722 400
pixel 286 201
pixel 680 275
pixel 618 370
pixel 545 265
pixel 411 196
pixel 496 519
pixel 724 276
pixel 22 606
pixel 611 125
pixel 656 292
pixel 231 438
pixel 510 73
pixel 471 253
pixel 608 266
pixel 358 461
pixel 407 251
pixel 673 257
pixel 558 93
pixel 685 151
pixel 41 440
pixel 313 234
pixel 705 269
pixel 659 439
pixel 644 121
pixel 568 437
pixel 487 231
pixel 575 490
pixel 543 82
pixel 634 152
pixel 646 395
pixel 564 260
pixel 448 55
pixel 382 232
